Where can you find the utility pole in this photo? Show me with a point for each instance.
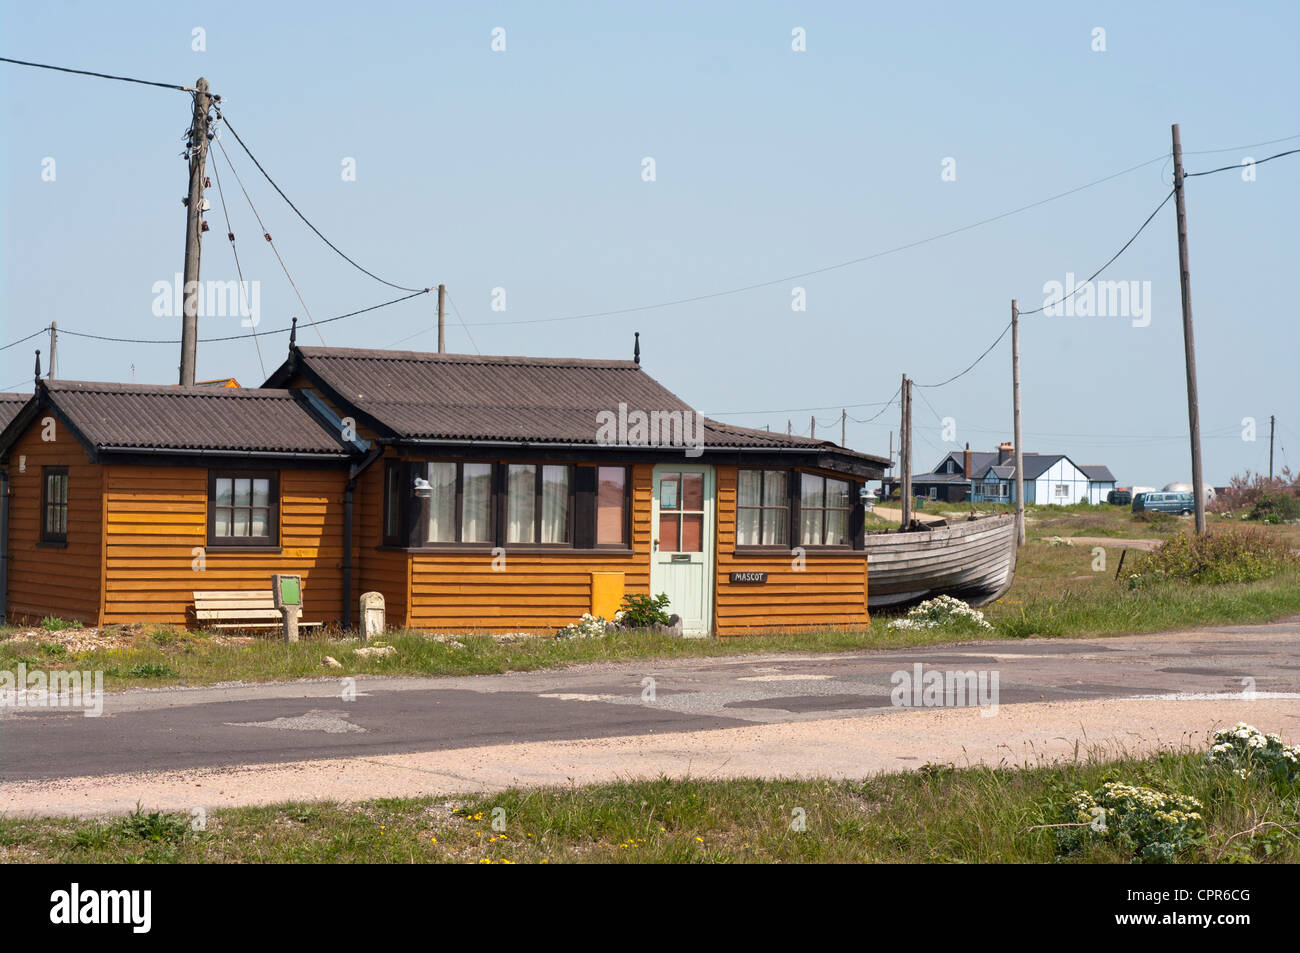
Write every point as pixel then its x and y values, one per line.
pixel 844 416
pixel 197 139
pixel 54 341
pixel 442 319
pixel 1189 342
pixel 905 453
pixel 1271 421
pixel 1018 450
pixel 812 427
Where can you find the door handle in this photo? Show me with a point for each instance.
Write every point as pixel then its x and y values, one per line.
pixel 656 545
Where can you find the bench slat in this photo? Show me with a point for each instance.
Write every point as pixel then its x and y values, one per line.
pixel 239 614
pixel 235 594
pixel 260 625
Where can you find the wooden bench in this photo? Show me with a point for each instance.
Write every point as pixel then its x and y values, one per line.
pixel 253 609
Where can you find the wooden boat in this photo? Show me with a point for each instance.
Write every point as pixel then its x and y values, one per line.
pixel 973 560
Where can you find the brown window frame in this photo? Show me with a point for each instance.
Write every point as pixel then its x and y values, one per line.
pixel 586 482
pixel 48 536
pixel 856 511
pixel 824 509
pixel 272 539
pixel 415 528
pixel 581 528
pixel 788 506
pixel 538 483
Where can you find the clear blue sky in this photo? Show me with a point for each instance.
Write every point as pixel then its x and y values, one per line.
pixel 522 169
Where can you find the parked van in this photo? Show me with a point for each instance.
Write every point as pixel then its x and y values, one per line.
pixel 1165 502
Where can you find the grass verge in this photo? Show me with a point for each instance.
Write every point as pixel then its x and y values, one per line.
pixel 935 815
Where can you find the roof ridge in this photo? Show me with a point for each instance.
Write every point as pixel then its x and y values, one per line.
pixel 174 390
pixel 433 357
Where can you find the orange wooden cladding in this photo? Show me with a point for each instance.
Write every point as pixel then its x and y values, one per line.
pixel 157 516
pixel 535 591
pixel 830 591
pixel 46 579
pixel 134 533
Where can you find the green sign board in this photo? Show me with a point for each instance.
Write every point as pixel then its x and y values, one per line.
pixel 289 592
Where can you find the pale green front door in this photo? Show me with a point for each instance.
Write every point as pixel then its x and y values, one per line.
pixel 681 548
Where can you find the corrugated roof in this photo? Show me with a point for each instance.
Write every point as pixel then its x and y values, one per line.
pixel 152 416
pixel 1097 473
pixel 10 404
pixel 418 395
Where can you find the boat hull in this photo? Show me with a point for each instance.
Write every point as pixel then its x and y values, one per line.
pixel 974 560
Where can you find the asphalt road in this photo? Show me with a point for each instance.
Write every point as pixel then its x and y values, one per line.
pixel 176 729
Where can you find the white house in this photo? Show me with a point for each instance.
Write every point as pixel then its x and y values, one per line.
pixel 989 477
pixel 1050 478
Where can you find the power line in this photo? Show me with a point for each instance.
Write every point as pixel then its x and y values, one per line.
pixel 926 400
pixel 85 72
pixel 1240 165
pixel 235 337
pixel 230 233
pixel 889 403
pixel 28 338
pixel 827 268
pixel 267 235
pixel 222 118
pixel 463 324
pixel 970 367
pixel 1249 145
pixel 795 410
pixel 1123 249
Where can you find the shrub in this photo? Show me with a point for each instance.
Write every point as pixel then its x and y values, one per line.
pixel 1245 751
pixel 942 612
pixel 1256 496
pixel 588 627
pixel 1152 826
pixel 1275 507
pixel 55 624
pixel 1226 555
pixel 154 826
pixel 643 612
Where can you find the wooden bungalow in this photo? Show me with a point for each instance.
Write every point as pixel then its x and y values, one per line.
pixel 474 493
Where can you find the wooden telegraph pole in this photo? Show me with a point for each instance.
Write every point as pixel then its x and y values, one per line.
pixel 198 149
pixel 54 342
pixel 1271 423
pixel 905 453
pixel 1189 342
pixel 442 319
pixel 1018 450
pixel 844 416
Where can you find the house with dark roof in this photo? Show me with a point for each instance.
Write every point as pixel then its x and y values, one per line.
pixel 10 404
pixel 474 493
pixel 989 477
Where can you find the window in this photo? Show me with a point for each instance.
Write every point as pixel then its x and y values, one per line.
pixel 537 504
pixel 54 504
pixel 824 509
pixel 393 504
pixel 243 508
pixel 934 492
pixel 681 512
pixel 611 506
pixel 763 508
pixel 1061 489
pixel 454 502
